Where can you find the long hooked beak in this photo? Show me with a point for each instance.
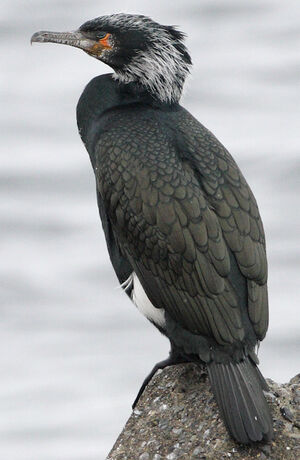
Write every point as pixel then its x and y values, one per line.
pixel 76 39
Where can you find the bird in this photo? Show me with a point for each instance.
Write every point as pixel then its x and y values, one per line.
pixel 182 226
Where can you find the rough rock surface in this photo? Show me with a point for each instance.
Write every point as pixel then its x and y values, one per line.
pixel 177 418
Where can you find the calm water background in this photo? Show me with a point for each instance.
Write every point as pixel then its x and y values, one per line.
pixel 74 351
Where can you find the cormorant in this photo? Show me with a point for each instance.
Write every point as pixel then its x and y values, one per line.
pixel 182 226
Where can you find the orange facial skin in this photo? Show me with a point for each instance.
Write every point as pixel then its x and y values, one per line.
pixel 105 41
pixel 101 45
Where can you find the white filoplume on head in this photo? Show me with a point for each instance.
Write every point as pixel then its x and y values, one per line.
pixel 161 67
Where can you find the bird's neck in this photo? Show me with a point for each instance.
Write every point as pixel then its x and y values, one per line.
pixel 104 93
pixel 160 89
pixel 134 91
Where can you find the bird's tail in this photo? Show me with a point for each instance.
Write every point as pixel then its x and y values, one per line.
pixel 238 390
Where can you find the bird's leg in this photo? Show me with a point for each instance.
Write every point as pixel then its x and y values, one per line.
pixel 174 358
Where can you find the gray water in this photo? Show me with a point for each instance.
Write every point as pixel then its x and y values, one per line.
pixel 73 349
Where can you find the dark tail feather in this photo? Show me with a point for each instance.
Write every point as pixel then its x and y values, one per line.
pixel 238 390
pixel 260 378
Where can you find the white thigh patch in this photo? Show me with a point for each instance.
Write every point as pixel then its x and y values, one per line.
pixel 142 302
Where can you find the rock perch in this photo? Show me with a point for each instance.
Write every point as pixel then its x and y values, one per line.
pixel 177 418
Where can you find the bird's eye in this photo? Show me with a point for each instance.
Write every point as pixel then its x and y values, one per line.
pixel 101 35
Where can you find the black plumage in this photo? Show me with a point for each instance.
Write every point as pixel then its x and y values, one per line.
pixel 182 226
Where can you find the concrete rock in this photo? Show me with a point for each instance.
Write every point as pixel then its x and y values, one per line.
pixel 189 425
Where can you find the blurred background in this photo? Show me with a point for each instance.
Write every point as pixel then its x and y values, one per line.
pixel 74 351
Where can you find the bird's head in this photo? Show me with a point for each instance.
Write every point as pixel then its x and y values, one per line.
pixel 137 48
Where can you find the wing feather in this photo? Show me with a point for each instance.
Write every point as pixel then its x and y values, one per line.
pixel 177 215
pixel 235 206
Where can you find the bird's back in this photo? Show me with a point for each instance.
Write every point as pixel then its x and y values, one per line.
pixel 157 155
